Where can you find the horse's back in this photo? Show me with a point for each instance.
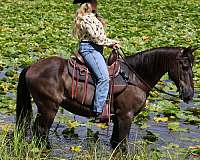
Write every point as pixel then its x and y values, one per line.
pixel 44 78
pixel 45 67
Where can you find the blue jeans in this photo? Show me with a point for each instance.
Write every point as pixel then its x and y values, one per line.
pixel 97 66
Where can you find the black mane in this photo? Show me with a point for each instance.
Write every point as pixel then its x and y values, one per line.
pixel 154 56
pixel 156 61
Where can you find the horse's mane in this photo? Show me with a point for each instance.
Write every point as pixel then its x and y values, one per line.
pixel 152 59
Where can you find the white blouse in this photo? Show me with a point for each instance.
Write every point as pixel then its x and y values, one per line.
pixel 92 30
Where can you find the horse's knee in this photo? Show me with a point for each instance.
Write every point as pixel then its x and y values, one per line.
pixel 130 115
pixel 44 120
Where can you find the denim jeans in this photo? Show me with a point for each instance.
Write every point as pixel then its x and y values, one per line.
pixel 97 66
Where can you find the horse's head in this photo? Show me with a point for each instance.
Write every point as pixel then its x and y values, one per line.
pixel 181 73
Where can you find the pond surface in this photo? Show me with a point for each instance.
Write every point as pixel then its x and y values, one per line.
pixel 162 136
pixel 157 134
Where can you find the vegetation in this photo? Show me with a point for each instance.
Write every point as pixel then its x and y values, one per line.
pixel 14 146
pixel 17 147
pixel 30 30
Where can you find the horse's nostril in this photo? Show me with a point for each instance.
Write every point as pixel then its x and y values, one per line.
pixel 187 99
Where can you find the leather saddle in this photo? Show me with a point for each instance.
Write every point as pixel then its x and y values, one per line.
pixel 79 72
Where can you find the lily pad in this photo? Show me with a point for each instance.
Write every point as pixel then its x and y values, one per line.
pixel 175 126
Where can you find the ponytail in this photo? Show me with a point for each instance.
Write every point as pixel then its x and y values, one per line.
pixel 84 9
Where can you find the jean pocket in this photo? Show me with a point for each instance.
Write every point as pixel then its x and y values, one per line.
pixel 86 49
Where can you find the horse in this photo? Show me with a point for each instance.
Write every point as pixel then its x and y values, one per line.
pixel 49 84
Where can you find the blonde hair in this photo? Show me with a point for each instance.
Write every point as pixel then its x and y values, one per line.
pixel 84 9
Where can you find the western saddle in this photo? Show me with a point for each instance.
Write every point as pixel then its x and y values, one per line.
pixel 80 73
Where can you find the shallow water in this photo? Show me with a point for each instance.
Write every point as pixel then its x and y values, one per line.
pixel 61 144
pixel 2 75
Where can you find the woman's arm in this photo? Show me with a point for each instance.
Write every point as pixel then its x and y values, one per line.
pixel 95 31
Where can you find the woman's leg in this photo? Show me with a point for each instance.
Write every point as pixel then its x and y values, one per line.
pixel 98 67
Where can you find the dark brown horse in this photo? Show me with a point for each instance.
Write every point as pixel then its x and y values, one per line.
pixel 49 84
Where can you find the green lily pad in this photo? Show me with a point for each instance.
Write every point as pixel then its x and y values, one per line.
pixel 175 126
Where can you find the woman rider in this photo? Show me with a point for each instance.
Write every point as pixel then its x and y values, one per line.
pixel 89 29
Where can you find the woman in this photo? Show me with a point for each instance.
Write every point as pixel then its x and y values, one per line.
pixel 89 29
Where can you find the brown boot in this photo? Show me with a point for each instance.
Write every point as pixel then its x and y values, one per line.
pixel 104 116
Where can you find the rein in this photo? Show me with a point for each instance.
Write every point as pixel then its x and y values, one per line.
pixel 131 68
pixel 147 85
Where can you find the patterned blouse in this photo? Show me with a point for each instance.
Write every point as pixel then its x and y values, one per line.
pixel 92 30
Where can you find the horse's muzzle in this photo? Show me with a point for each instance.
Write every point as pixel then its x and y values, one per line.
pixel 187 95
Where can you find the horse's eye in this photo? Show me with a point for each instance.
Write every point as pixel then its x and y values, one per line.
pixel 185 65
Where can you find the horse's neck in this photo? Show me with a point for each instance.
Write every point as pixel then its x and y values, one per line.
pixel 150 67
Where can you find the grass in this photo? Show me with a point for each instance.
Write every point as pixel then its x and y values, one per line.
pixel 13 146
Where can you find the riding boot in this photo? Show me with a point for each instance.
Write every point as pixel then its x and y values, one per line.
pixel 104 116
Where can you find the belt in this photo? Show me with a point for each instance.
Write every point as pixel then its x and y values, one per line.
pixel 97 47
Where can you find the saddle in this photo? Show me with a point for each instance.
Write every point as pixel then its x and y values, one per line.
pixel 78 70
pixel 80 73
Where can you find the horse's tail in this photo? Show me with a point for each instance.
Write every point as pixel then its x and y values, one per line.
pixel 23 102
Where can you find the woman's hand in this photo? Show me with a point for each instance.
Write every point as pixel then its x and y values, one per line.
pixel 116 46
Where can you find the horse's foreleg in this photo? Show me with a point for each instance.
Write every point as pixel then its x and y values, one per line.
pixel 45 117
pixel 128 103
pixel 121 129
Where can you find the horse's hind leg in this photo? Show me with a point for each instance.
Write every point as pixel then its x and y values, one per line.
pixel 46 113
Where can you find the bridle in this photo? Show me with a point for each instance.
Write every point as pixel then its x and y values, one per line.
pixel 178 59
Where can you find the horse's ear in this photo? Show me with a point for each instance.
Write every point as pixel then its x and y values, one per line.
pixel 189 50
pixel 190 53
pixel 185 51
pixel 194 49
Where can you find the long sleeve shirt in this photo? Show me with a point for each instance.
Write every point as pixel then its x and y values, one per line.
pixel 92 30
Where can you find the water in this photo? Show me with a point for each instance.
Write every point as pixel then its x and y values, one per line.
pixel 61 144
pixel 2 75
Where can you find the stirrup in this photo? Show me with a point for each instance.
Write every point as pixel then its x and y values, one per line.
pixel 101 119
